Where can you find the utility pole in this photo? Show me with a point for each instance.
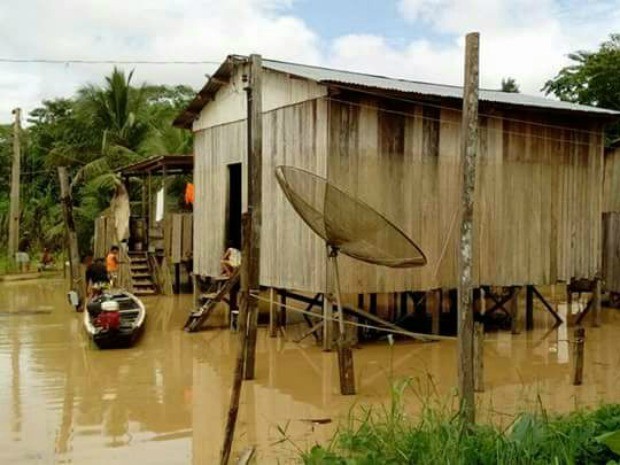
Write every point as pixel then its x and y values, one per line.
pixel 14 209
pixel 67 211
pixel 255 176
pixel 469 137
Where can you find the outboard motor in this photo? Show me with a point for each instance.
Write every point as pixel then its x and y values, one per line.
pixel 74 299
pixel 110 317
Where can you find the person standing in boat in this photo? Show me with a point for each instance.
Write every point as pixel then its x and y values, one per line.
pixel 96 276
pixel 111 263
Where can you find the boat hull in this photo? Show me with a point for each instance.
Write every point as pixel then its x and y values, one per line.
pixel 132 316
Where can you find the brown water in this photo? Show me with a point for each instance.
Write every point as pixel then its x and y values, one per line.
pixel 164 401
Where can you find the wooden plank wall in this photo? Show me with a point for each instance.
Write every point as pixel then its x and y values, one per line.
pixel 178 236
pixel 611 251
pixel 537 192
pixel 611 189
pixel 292 255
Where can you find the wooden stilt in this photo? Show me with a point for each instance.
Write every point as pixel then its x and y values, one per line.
pixel 328 335
pixel 345 353
pixel 580 336
pixel 282 312
pixel 177 278
pixel 569 304
pixel 373 303
pixel 479 344
pixel 515 326
pixel 478 356
pixel 596 304
pixel 529 308
pixel 273 322
pixel 436 311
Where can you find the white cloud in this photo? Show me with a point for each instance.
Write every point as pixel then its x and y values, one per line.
pixel 525 39
pixel 188 30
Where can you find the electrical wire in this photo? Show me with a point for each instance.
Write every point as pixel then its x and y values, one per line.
pixel 429 337
pixel 105 62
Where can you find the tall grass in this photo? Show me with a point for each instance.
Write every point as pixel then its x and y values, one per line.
pixel 388 436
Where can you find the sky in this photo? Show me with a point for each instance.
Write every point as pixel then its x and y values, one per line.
pixel 417 39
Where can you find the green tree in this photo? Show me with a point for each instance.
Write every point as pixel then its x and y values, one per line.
pixel 510 85
pixel 592 79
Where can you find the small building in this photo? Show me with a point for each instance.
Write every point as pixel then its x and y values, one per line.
pixel 395 144
pixel 611 221
pixel 159 233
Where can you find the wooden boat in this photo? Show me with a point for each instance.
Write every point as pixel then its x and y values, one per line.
pixel 114 318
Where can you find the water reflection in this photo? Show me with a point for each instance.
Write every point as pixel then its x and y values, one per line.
pixel 164 401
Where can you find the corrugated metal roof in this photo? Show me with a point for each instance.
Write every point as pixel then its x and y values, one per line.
pixel 326 75
pixel 367 81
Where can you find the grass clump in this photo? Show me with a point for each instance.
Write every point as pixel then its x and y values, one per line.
pixel 387 436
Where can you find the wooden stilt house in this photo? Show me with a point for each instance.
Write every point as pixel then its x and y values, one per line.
pixel 395 144
pixel 160 241
pixel 611 221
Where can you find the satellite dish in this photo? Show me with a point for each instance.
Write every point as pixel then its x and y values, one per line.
pixel 352 227
pixel 347 224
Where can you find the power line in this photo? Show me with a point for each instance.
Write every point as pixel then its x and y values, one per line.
pixel 106 62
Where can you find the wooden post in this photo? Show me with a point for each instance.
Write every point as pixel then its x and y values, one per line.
pixel 345 353
pixel 281 314
pixel 177 278
pixel 479 346
pixel 469 137
pixel 328 337
pixel 596 304
pixel 436 312
pixel 240 363
pixel 14 208
pixel 273 329
pixel 529 308
pixel 255 176
pixel 515 324
pixel 74 254
pixel 580 337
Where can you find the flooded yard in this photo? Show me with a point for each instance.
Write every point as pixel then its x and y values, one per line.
pixel 164 401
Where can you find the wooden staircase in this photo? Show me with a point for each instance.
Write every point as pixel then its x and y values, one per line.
pixel 141 277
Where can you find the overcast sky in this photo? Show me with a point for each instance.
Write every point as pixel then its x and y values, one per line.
pixel 417 39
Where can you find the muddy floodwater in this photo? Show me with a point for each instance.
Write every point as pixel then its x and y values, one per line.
pixel 164 401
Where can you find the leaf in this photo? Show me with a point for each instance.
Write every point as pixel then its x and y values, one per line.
pixel 611 440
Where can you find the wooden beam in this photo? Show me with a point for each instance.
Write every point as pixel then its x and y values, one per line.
pixel 469 137
pixel 529 308
pixel 255 195
pixel 549 308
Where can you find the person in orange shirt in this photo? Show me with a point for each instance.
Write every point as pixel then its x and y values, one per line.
pixel 111 264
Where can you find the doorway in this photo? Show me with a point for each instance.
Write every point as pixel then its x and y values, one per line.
pixel 233 207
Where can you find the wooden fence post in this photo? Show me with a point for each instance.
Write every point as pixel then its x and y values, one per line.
pixel 469 137
pixel 578 343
